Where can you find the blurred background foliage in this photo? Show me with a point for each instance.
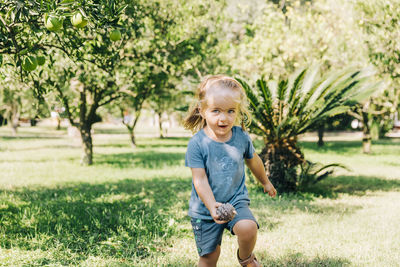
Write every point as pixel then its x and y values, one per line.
pixel 116 57
pixel 87 61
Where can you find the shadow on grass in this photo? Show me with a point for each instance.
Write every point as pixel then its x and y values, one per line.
pixel 31 137
pixel 184 262
pixel 339 147
pixel 149 143
pixel 304 201
pixel 125 219
pixel 47 147
pixel 110 131
pixel 148 159
pixel 163 142
pixel 269 211
pixel 115 145
pixel 349 147
pixel 394 164
pixel 299 260
pixel 353 185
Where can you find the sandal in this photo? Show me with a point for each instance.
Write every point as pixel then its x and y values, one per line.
pixel 250 261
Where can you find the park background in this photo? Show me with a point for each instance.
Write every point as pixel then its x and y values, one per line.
pixel 92 97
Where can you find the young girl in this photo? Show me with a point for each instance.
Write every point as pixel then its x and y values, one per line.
pixel 216 155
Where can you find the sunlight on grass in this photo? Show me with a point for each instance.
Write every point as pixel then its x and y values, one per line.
pixel 382 162
pixel 129 208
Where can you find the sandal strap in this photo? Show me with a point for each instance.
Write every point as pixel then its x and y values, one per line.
pixel 244 262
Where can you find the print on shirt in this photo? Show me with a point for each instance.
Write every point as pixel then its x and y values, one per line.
pixel 225 163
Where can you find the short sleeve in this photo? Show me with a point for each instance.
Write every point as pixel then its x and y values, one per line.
pixel 249 152
pixel 193 157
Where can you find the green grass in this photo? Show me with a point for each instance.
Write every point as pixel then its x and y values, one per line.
pixel 129 208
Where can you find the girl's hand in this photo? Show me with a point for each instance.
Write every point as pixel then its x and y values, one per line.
pixel 214 215
pixel 270 189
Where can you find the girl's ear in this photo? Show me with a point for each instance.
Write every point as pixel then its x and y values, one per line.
pixel 200 110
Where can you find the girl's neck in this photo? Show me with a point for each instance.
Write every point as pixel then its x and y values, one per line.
pixel 213 136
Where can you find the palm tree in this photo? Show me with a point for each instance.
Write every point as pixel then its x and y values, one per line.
pixel 284 110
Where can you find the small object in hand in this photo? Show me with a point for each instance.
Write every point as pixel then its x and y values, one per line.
pixel 226 212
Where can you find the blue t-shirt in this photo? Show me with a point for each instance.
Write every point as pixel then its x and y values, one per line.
pixel 224 166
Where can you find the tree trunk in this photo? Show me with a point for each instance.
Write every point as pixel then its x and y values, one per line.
pixel 33 121
pixel 87 142
pixel 14 129
pixel 160 124
pixel 280 160
pixel 321 130
pixel 132 136
pixel 14 118
pixel 3 121
pixel 131 131
pixel 131 127
pixel 366 134
pixel 375 130
pixel 58 123
pixel 366 145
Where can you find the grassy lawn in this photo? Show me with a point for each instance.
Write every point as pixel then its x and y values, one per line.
pixel 129 208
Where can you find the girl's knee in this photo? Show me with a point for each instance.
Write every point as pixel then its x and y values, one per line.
pixel 245 228
pixel 210 259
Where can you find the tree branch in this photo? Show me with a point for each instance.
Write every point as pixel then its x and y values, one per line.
pixel 66 104
pixel 55 46
pixel 93 108
pixel 82 107
pixel 355 115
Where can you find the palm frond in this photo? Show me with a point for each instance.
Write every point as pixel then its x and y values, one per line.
pixel 296 85
pixel 260 118
pixel 283 86
pixel 308 82
pixel 293 98
pixel 294 106
pixel 305 99
pixel 312 173
pixel 332 100
pixel 266 93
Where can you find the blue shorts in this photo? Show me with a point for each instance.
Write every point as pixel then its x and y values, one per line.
pixel 208 234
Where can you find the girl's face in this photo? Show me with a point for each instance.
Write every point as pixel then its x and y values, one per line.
pixel 220 112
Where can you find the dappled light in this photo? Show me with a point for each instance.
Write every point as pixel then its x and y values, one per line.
pixel 103 104
pixel 129 218
pixel 130 207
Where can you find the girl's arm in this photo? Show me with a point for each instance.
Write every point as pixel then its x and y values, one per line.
pixel 203 189
pixel 256 166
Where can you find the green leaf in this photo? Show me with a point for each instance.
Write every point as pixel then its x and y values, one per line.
pixel 336 111
pixel 266 94
pixel 310 100
pixel 121 9
pixel 82 12
pixel 259 117
pixel 67 2
pixel 293 97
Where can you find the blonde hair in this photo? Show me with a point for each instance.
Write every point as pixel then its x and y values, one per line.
pixel 195 122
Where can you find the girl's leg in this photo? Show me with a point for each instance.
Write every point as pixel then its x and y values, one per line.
pixel 246 231
pixel 210 260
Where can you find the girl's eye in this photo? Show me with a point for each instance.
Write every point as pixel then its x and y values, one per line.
pixel 231 111
pixel 215 111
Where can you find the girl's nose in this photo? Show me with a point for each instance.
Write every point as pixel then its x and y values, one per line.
pixel 222 116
